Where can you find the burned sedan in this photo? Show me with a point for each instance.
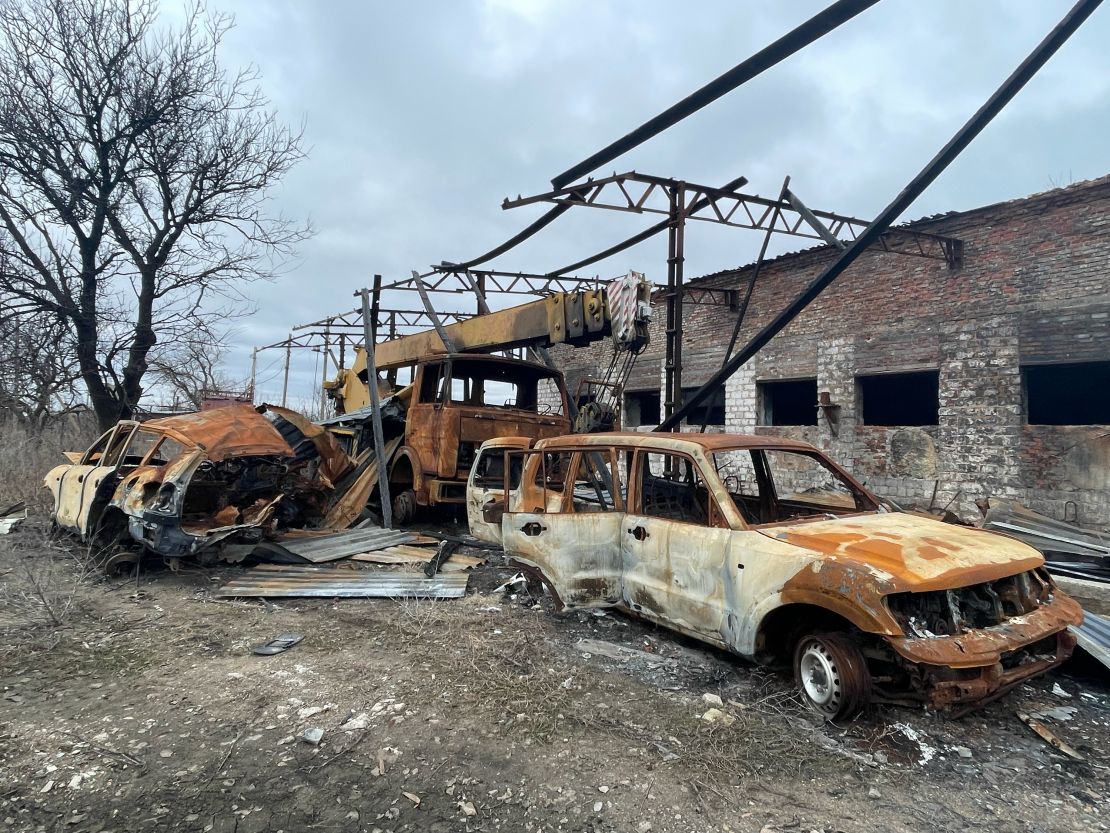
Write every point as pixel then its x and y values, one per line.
pixel 766 548
pixel 186 485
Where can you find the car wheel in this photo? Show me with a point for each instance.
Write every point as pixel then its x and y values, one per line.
pixel 832 675
pixel 404 507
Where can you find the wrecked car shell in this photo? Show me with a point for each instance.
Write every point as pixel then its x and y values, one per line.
pixel 183 484
pixel 767 548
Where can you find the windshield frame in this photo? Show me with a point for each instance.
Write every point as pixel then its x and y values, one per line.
pixel 866 502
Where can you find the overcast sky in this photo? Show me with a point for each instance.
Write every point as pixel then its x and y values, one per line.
pixel 421 117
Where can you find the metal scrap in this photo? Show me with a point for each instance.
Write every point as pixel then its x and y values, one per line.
pixel 407 554
pixel 318 549
pixel 1093 636
pixel 268 580
pixel 1049 737
pixel 1068 550
pixel 12 517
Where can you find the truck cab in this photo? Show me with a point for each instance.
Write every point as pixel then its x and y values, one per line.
pixel 458 401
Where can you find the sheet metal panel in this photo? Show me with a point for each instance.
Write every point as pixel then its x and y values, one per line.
pixel 321 548
pixel 1094 636
pixel 297 581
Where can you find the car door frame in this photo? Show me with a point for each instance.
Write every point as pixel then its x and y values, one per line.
pixel 578 554
pixel 85 488
pixel 679 573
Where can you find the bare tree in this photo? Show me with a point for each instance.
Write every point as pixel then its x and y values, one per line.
pixel 190 368
pixel 134 175
pixel 38 370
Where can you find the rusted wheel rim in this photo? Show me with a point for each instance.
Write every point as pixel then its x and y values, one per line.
pixel 820 678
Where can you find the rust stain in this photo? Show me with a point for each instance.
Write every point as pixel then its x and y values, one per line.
pixel 234 431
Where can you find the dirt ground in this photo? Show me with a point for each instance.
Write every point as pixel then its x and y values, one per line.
pixel 135 704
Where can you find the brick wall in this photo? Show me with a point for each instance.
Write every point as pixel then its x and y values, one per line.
pixel 1034 289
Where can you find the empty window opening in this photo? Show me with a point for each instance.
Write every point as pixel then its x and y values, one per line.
pixel 788 403
pixel 900 398
pixel 641 408
pixel 672 488
pixel 711 411
pixel 1067 394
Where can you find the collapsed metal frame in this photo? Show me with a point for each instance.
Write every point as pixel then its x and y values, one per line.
pixel 826 226
pixel 342 331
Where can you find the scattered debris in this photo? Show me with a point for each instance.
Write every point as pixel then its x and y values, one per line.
pixel 1047 735
pixel 620 653
pixel 355 722
pixel 313 735
pixel 277 645
pixel 12 517
pixel 718 716
pixel 1058 690
pixel 519 580
pixel 271 581
pixel 1060 713
pixel 1068 550
pixel 415 799
pixel 387 756
pixel 927 752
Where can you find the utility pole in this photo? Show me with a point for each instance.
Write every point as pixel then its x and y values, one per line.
pixel 376 410
pixel 285 384
pixel 254 370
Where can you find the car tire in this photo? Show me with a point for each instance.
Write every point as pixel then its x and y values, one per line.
pixel 404 507
pixel 832 675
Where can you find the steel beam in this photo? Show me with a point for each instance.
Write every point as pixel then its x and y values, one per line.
pixel 800 37
pixel 640 193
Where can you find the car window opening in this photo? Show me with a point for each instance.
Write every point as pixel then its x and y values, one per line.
pixel 770 486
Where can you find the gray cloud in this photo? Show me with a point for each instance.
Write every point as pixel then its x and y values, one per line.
pixel 420 118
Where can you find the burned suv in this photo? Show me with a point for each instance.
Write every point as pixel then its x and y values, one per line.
pixel 767 548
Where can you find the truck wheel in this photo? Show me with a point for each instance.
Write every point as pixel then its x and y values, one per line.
pixel 404 507
pixel 832 675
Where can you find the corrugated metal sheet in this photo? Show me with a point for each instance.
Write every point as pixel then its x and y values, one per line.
pixel 1068 550
pixel 318 549
pixel 301 581
pixel 1094 637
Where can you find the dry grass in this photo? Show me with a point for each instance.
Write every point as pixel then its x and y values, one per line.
pixel 514 667
pixel 26 455
pixel 40 590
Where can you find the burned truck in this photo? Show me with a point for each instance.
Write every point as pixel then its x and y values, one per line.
pixel 434 426
pixel 457 393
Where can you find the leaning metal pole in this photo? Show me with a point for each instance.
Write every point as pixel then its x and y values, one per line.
pixel 1002 96
pixel 793 41
pixel 376 410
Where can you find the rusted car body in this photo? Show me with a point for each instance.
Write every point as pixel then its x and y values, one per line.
pixel 766 548
pixel 453 405
pixel 184 485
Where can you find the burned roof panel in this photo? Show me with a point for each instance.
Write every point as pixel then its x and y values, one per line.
pixel 232 431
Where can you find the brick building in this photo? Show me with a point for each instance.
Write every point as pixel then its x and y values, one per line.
pixel 945 386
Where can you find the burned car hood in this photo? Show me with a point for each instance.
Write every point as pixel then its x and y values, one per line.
pixel 910 552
